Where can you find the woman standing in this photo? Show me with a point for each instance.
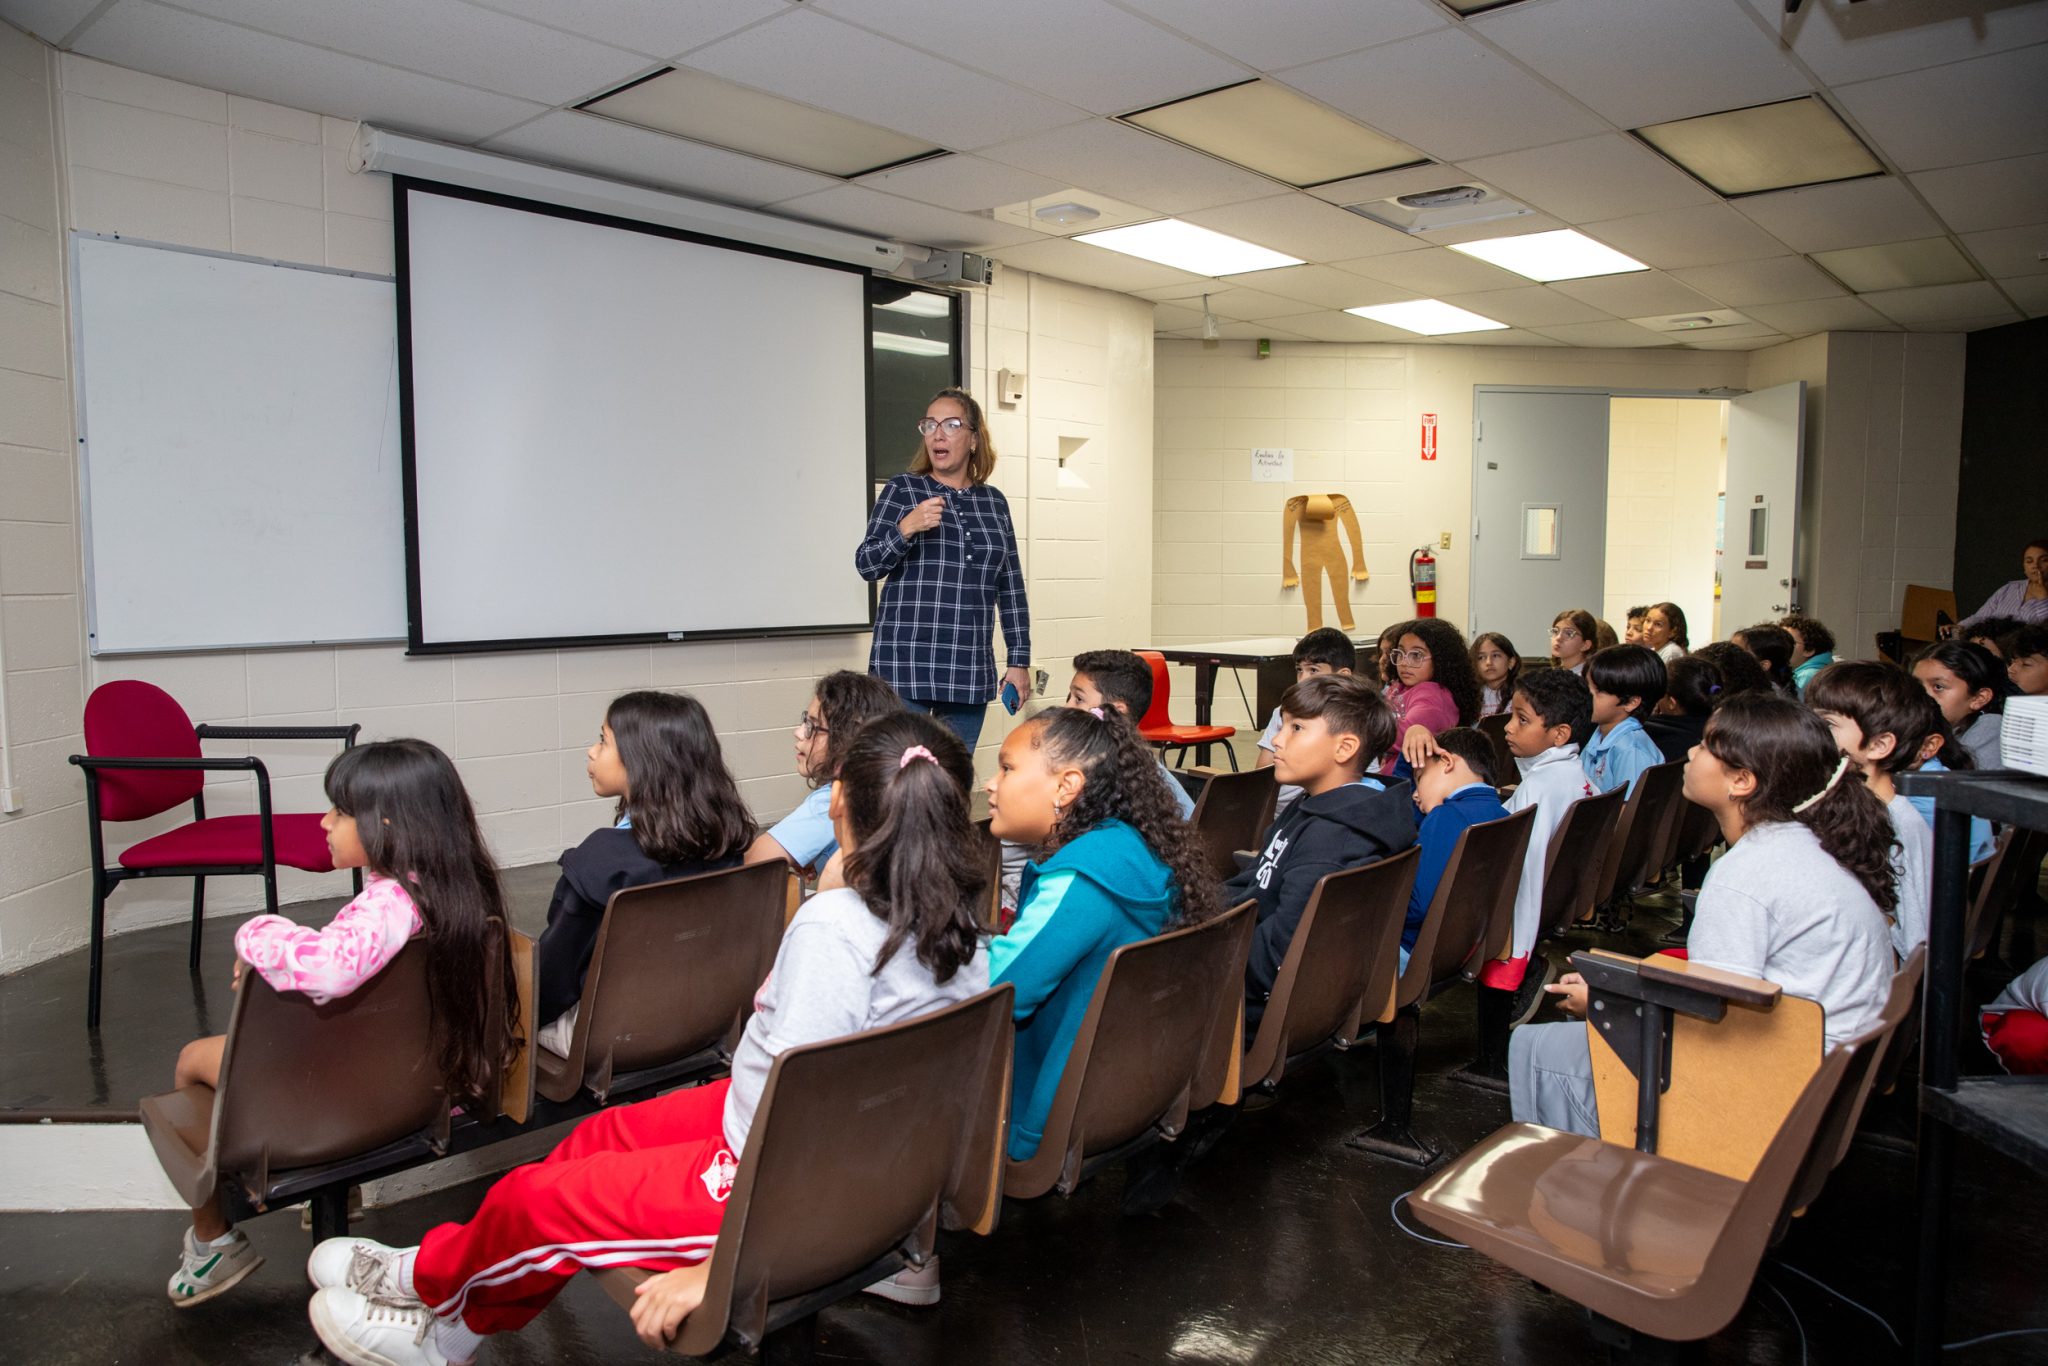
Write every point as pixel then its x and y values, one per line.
pixel 941 535
pixel 2025 597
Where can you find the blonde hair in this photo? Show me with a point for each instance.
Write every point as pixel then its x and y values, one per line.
pixel 981 461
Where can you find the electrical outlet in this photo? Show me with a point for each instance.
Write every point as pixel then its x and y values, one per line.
pixel 1444 541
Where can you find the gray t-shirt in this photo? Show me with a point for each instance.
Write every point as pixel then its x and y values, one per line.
pixel 1984 737
pixel 1777 906
pixel 1913 869
pixel 823 986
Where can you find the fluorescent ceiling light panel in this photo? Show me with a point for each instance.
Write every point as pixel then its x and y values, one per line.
pixel 1274 131
pixel 1897 265
pixel 703 108
pixel 1766 147
pixel 1430 317
pixel 1170 242
pixel 1565 254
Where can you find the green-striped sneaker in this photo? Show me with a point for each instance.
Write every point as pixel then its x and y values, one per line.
pixel 204 1272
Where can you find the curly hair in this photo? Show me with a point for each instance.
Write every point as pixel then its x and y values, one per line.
pixel 1123 783
pixel 1814 637
pixel 1450 664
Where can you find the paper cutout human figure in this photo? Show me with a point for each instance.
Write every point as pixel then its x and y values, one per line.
pixel 1318 515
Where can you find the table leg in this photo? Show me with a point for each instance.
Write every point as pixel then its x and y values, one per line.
pixel 1205 694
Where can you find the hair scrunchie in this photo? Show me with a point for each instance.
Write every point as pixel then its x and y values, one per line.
pixel 1096 712
pixel 913 753
pixel 1816 798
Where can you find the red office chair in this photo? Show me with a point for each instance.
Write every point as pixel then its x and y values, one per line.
pixel 1157 728
pixel 142 758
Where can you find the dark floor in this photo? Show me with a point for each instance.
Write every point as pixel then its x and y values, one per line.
pixel 1280 1249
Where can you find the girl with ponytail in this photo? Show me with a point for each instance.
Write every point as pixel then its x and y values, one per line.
pixel 646 1185
pixel 1800 898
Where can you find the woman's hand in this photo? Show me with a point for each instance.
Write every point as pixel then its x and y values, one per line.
pixel 1418 746
pixel 1020 679
pixel 661 1303
pixel 923 517
pixel 834 873
pixel 1570 990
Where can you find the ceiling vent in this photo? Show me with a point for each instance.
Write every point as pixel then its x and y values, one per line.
pixel 1450 206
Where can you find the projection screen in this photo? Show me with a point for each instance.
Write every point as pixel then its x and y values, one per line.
pixel 617 431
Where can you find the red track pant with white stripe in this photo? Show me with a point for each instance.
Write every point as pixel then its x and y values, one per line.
pixel 639 1185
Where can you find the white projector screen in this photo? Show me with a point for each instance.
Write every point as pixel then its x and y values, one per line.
pixel 623 432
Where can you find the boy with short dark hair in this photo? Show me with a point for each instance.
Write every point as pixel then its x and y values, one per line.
pixel 1454 788
pixel 1813 648
pixel 2026 660
pixel 1325 650
pixel 1627 682
pixel 1119 679
pixel 1881 728
pixel 1633 634
pixel 1331 727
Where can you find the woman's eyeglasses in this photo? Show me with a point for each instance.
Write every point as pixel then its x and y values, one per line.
pixel 952 426
pixel 807 727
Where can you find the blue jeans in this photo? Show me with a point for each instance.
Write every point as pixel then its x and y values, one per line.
pixel 964 718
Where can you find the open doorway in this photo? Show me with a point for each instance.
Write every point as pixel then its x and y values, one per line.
pixel 1667 472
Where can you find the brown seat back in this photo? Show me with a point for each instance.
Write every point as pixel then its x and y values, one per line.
pixel 1577 859
pixel 1232 812
pixel 1340 966
pixel 1495 728
pixel 673 973
pixel 1642 831
pixel 1838 1126
pixel 2013 867
pixel 1698 831
pixel 1472 913
pixel 1145 1051
pixel 860 1146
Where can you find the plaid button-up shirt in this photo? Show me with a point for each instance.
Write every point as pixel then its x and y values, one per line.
pixel 934 628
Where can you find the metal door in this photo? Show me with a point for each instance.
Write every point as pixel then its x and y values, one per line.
pixel 1539 511
pixel 1760 542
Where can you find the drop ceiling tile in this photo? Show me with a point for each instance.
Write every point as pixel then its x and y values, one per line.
pixel 1949 325
pixel 1250 305
pixel 2007 252
pixel 1615 333
pixel 1434 272
pixel 1707 235
pixel 2031 294
pixel 1850 213
pixel 962 182
pixel 1991 194
pixel 1303 226
pixel 1322 286
pixel 447 38
pixel 1639 294
pixel 1938 303
pixel 1499 227
pixel 1591 178
pixel 49 20
pixel 1085 52
pixel 859 209
pixel 1822 315
pixel 1987 107
pixel 207 52
pixel 658 28
pixel 1446 93
pixel 1168 317
pixel 1269 37
pixel 1754 342
pixel 1530 306
pixel 820 61
pixel 1386 184
pixel 1514 336
pixel 1243 332
pixel 1089 265
pixel 608 147
pixel 1853 42
pixel 1723 322
pixel 1115 159
pixel 1638 64
pixel 1346 327
pixel 1109 213
pixel 1778 280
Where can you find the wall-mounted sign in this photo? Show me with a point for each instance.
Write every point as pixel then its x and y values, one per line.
pixel 1272 465
pixel 1429 436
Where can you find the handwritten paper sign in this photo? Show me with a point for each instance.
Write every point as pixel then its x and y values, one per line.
pixel 1272 465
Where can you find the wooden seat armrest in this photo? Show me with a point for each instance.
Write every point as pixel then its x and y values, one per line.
pixel 1207 771
pixel 1673 983
pixel 1732 987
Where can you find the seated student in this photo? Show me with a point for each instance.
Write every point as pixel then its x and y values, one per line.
pixel 1799 898
pixel 679 812
pixel 1627 681
pixel 1813 648
pixel 1603 635
pixel 843 702
pixel 1880 718
pixel 2016 1023
pixel 1740 671
pixel 1454 788
pixel 1939 753
pixel 1573 638
pixel 1633 634
pixel 1390 638
pixel 1772 646
pixel 400 813
pixel 1664 630
pixel 1498 665
pixel 2026 661
pixel 1119 679
pixel 1331 727
pixel 1969 684
pixel 645 1185
pixel 1436 689
pixel 1692 687
pixel 1990 632
pixel 1116 865
pixel 1325 650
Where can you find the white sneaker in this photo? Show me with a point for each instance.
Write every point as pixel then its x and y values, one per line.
pixel 367 1332
pixel 360 1265
pixel 204 1272
pixel 916 1286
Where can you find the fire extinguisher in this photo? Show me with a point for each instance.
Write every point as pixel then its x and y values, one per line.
pixel 1422 581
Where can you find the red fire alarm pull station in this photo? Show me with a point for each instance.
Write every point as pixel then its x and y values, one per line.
pixel 1429 436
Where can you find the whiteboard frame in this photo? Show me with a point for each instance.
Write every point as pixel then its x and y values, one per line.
pixel 83 436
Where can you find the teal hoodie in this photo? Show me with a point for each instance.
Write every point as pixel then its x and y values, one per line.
pixel 1098 893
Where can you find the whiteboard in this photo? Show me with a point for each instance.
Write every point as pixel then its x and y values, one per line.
pixel 240 452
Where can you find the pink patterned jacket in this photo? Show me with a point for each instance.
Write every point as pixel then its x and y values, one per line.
pixel 328 963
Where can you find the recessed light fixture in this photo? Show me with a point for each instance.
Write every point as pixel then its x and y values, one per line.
pixel 1765 147
pixel 1277 132
pixel 1897 265
pixel 1170 242
pixel 704 108
pixel 1429 317
pixel 1066 214
pixel 1448 206
pixel 1565 254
